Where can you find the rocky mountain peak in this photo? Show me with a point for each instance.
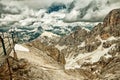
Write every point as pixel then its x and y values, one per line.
pixel 111 25
pixel 113 18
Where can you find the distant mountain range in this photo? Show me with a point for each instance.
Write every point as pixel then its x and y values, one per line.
pixel 29 23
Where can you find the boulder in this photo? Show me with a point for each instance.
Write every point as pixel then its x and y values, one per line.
pixel 107 44
pixel 22 63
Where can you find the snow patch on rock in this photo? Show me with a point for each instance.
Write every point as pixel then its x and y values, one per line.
pixel 19 47
pixel 60 47
pixel 92 57
pixel 48 34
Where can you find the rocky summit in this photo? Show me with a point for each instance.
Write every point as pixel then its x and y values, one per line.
pixel 112 19
pixel 81 55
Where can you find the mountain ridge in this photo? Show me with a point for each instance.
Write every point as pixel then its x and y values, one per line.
pixel 97 49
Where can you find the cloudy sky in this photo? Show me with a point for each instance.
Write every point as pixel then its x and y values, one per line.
pixel 34 3
pixel 91 10
pixel 81 10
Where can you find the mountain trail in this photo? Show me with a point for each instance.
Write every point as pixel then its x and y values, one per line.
pixel 42 65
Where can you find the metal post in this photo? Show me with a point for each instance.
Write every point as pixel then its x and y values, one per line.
pixel 13 37
pixel 3 45
pixel 5 53
pixel 15 55
pixel 9 42
pixel 2 34
pixel 10 72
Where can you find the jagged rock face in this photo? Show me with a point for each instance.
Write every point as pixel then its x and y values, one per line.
pixel 37 44
pixel 116 50
pixel 95 31
pixel 107 67
pixel 19 69
pixel 107 44
pixel 91 44
pixel 111 24
pixel 50 50
pixel 74 38
pixel 111 70
pixel 55 54
pixel 90 48
pixel 112 19
pixel 46 40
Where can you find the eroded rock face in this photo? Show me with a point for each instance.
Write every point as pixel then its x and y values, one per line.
pixel 19 69
pixel 110 26
pixel 112 19
pixel 55 54
pixel 37 44
pixel 107 66
pixel 111 70
pixel 50 50
pixel 107 44
pixel 111 23
pixel 74 38
pixel 117 47
pixel 90 48
pixel 95 31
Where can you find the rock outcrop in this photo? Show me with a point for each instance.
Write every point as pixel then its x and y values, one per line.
pixel 104 36
pixel 55 54
pixel 74 38
pixel 19 69
pixel 50 50
pixel 112 19
pixel 111 23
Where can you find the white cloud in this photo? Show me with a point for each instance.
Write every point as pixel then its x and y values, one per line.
pixel 91 10
pixel 83 10
pixel 34 3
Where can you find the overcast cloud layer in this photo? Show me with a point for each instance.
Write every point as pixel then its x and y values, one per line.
pixel 91 10
pixel 36 4
pixel 80 10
